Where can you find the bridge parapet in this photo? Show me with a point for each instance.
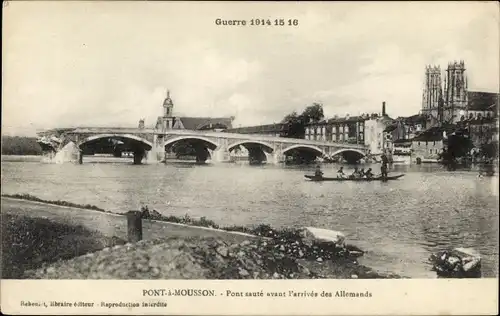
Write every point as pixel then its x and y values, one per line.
pixel 262 138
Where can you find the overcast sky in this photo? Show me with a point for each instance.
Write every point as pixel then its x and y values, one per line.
pixel 109 64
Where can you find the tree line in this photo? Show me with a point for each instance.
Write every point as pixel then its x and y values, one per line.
pixel 19 145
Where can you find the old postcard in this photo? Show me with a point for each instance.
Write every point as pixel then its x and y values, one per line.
pixel 237 158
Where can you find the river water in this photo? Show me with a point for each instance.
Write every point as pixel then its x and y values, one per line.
pixel 400 223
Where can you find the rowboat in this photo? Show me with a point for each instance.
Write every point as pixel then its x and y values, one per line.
pixel 377 178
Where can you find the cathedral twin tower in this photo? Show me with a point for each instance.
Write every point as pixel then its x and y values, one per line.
pixel 445 104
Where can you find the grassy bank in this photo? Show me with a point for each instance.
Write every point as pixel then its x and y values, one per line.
pixel 33 198
pixel 30 243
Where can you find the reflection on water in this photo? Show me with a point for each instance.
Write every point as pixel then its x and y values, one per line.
pixel 399 222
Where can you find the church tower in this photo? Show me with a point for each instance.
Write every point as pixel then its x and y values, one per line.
pixel 455 91
pixel 432 91
pixel 168 107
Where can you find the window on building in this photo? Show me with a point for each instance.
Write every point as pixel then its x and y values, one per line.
pixel 434 143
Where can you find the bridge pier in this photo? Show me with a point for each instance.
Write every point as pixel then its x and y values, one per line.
pixel 138 156
pixel 220 154
pixel 278 158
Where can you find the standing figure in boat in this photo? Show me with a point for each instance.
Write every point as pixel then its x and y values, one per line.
pixel 318 173
pixel 383 168
pixel 340 173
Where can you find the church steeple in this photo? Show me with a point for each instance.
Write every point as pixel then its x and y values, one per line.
pixel 168 105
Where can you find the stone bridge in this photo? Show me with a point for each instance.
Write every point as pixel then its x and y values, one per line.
pixel 218 146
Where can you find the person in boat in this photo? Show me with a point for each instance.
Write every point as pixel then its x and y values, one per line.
pixel 318 172
pixel 383 168
pixel 340 173
pixel 368 173
pixel 355 173
pixel 362 173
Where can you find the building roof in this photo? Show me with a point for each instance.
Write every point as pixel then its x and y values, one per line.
pixel 482 121
pixel 482 101
pixel 417 118
pixel 349 119
pixel 197 123
pixel 427 137
pixel 393 125
pixel 402 141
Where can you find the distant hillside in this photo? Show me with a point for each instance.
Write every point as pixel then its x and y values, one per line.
pixel 17 145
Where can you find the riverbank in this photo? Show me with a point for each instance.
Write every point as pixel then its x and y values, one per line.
pixel 254 256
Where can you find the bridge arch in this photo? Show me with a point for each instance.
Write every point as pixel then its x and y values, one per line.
pixel 306 147
pixel 351 155
pixel 266 146
pixel 345 150
pixel 210 143
pixel 147 144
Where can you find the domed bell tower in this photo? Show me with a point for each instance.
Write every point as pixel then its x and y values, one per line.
pixel 168 107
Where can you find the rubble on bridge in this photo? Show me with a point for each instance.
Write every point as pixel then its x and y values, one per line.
pixel 49 142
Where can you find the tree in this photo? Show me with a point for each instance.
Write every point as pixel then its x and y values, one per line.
pixel 458 146
pixel 313 113
pixel 16 145
pixel 295 125
pixel 290 117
